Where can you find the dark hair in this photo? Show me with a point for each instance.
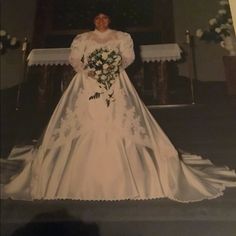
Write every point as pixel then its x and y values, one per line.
pixel 101 11
pixel 102 7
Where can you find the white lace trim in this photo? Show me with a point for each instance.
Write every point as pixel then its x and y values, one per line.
pixel 103 38
pixel 129 120
pixel 124 121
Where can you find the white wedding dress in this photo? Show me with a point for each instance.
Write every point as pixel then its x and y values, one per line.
pixel 91 151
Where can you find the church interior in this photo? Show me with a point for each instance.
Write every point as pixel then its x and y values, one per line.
pixel 191 94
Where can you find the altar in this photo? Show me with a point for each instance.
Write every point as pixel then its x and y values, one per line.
pixel 157 56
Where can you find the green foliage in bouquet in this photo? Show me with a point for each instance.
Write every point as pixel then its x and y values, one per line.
pixel 104 64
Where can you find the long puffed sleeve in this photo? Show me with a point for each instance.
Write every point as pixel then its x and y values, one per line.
pixel 126 50
pixel 77 53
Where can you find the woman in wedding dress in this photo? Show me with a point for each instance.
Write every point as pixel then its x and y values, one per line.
pixel 105 145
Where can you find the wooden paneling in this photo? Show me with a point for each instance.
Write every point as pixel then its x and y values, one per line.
pixel 148 21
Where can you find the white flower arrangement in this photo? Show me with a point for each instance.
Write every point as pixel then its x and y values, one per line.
pixel 3 33
pixel 7 42
pixel 224 2
pixel 219 27
pixel 104 64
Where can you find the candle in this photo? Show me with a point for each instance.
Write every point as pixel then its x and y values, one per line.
pixel 187 34
pixel 24 45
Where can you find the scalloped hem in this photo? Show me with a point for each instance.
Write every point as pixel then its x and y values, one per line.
pixel 221 193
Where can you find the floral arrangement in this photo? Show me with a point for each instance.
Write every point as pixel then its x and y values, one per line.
pixel 219 27
pixel 7 42
pixel 103 64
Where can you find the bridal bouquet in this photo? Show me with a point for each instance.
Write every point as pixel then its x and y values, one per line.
pixel 104 65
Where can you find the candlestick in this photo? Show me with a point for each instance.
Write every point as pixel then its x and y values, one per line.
pixel 187 34
pixel 24 45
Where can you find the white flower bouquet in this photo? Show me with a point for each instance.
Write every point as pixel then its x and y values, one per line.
pixel 7 41
pixel 104 65
pixel 219 27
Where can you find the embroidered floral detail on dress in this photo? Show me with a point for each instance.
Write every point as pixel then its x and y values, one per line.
pixel 122 118
pixel 70 124
pixel 129 120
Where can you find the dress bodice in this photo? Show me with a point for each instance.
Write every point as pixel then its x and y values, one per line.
pixel 84 44
pixel 109 39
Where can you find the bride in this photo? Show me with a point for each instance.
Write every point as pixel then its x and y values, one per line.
pixel 103 144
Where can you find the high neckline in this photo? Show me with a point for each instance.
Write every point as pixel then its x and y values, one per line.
pixel 102 34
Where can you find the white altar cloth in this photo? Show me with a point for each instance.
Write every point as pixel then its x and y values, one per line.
pixel 160 52
pixel 49 56
pixel 149 53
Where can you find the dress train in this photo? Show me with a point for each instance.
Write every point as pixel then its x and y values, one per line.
pixel 93 152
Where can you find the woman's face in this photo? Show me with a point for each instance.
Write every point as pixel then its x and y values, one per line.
pixel 101 22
